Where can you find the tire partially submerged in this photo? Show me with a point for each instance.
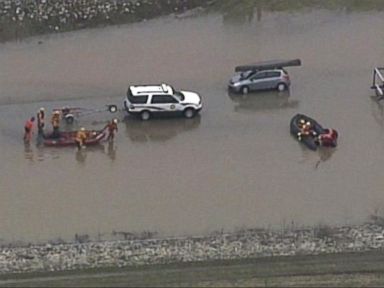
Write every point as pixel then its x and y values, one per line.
pixel 189 113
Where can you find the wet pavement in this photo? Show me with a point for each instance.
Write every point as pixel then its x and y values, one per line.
pixel 234 166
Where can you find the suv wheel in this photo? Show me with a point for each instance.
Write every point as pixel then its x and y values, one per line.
pixel 245 89
pixel 281 87
pixel 189 113
pixel 145 115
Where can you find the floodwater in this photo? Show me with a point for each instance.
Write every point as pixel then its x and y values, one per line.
pixel 234 166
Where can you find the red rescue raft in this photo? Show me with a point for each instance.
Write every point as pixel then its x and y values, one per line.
pixel 67 138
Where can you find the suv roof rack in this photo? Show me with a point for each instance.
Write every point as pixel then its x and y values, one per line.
pixel 270 64
pixel 151 88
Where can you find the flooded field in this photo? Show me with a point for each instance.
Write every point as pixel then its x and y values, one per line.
pixel 235 166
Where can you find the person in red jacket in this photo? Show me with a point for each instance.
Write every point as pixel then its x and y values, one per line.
pixel 28 129
pixel 112 129
pixel 329 138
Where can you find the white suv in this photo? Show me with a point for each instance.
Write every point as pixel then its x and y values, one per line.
pixel 148 100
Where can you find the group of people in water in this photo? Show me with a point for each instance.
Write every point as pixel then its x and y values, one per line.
pixel 81 135
pixel 307 129
pixel 28 127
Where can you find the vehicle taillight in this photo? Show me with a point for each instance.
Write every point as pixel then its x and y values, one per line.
pixel 286 77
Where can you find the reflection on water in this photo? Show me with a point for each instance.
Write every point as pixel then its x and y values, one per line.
pixel 325 153
pixel 28 152
pixel 37 151
pixel 108 148
pixel 158 129
pixel 378 110
pixel 81 155
pixel 111 150
pixel 261 101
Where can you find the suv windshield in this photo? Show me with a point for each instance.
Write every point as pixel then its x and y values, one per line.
pixel 179 95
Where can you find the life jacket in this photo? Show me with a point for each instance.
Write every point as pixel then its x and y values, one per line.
pixel 328 138
pixel 306 128
pixel 81 136
pixel 55 120
pixel 29 125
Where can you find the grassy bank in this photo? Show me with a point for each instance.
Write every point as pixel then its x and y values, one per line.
pixel 20 19
pixel 331 270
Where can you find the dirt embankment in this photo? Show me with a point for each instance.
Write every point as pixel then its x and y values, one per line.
pixel 20 19
pixel 363 269
pixel 245 244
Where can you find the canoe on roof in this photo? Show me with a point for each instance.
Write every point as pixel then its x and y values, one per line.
pixel 270 64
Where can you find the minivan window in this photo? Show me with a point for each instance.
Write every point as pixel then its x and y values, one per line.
pixel 246 74
pixel 260 75
pixel 163 99
pixel 273 74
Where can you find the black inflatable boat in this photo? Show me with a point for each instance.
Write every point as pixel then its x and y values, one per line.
pixel 315 136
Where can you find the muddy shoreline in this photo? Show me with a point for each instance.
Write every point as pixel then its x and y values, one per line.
pixel 21 19
pixel 149 250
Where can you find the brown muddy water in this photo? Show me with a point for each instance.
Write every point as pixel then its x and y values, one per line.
pixel 235 166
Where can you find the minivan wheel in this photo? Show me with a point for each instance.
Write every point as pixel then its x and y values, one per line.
pixel 245 90
pixel 189 113
pixel 145 115
pixel 281 87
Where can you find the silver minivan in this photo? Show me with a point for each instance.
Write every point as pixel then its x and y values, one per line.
pixel 263 75
pixel 244 82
